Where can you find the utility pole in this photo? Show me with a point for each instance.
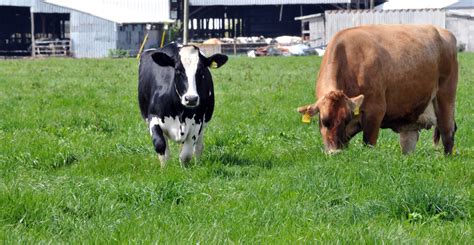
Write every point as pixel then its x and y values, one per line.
pixel 185 22
pixel 33 48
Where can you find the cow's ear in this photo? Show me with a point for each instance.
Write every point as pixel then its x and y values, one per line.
pixel 162 59
pixel 309 109
pixel 217 60
pixel 356 102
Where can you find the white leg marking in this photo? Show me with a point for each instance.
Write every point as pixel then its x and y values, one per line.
pixel 164 158
pixel 186 152
pixel 153 122
pixel 408 140
pixel 199 146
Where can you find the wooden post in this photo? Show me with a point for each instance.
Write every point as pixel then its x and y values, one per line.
pixel 371 4
pixel 32 17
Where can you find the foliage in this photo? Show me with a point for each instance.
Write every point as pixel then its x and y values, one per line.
pixel 77 164
pixel 118 53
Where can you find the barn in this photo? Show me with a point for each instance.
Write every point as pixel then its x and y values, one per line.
pixel 268 18
pixel 80 28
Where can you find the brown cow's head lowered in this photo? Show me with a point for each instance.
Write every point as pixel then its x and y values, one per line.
pixel 339 118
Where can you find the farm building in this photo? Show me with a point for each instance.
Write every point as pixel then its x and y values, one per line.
pixel 80 28
pixel 456 16
pixel 268 18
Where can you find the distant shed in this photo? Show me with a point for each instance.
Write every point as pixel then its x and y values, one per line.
pixel 247 18
pixel 339 20
pixel 102 25
pixel 319 29
pixel 94 28
pixel 461 23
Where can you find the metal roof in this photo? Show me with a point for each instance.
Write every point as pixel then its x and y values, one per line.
pixel 262 2
pixel 418 4
pixel 307 17
pixel 18 3
pixel 121 11
pixel 462 4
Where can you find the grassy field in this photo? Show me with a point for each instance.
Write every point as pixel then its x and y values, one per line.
pixel 77 164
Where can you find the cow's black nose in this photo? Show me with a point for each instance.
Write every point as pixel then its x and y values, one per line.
pixel 191 99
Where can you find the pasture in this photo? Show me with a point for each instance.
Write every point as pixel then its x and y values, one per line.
pixel 77 164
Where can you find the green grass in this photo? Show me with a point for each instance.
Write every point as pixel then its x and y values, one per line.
pixel 77 164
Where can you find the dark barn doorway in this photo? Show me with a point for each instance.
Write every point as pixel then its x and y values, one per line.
pixel 15 31
pixel 51 26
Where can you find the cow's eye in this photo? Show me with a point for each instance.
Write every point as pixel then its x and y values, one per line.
pixel 348 119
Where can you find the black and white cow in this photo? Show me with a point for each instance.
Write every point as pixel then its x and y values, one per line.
pixel 176 97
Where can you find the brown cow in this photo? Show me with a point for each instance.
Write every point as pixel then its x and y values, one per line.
pixel 402 77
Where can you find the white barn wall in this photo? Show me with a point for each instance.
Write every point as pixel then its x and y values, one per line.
pixel 17 3
pixel 38 6
pixel 317 32
pixel 342 19
pixel 463 29
pixel 462 26
pixel 130 37
pixel 91 36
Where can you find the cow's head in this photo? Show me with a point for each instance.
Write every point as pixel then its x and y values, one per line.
pixel 189 66
pixel 339 118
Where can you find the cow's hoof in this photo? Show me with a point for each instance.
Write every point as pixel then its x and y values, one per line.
pixel 163 160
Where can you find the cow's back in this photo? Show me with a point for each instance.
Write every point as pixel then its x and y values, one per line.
pixel 400 64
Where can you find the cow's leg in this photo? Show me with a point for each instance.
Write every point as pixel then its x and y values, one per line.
pixel 445 99
pixel 199 146
pixel 186 152
pixel 371 122
pixel 159 141
pixel 408 140
pixel 446 125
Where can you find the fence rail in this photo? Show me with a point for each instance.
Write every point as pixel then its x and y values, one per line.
pixel 52 47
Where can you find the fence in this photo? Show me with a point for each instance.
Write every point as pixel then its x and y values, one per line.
pixel 52 48
pixel 229 48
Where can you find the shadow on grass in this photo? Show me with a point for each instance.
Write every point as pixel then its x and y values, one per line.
pixel 234 159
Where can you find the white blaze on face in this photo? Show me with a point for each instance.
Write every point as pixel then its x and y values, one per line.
pixel 189 59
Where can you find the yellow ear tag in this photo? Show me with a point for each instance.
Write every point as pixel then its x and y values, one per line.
pixel 214 65
pixel 306 118
pixel 356 111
